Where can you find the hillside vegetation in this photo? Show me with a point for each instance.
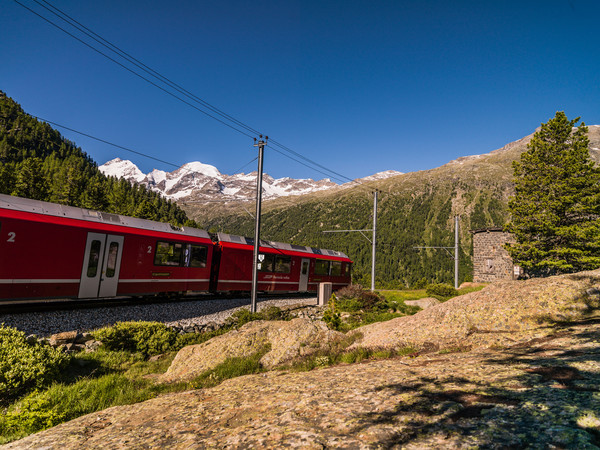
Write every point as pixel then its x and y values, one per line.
pixel 37 162
pixel 415 209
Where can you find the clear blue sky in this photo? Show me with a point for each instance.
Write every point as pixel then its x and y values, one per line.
pixel 358 86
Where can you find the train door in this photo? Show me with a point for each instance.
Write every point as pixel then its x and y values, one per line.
pixel 303 285
pixel 101 266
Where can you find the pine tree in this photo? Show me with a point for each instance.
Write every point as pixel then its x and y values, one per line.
pixel 31 182
pixel 555 213
pixel 7 178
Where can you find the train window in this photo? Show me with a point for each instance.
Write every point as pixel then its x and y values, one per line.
pixel 168 254
pixel 336 268
pixel 94 259
pixel 283 264
pixel 304 267
pixel 321 267
pixel 347 269
pixel 266 265
pixel 111 264
pixel 198 255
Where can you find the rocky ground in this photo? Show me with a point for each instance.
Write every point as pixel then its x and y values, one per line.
pixel 515 366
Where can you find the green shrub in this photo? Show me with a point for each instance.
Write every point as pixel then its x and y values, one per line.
pixel 26 366
pixel 372 300
pixel 331 316
pixel 349 304
pixel 350 291
pixel 443 291
pixel 332 319
pixel 243 316
pixel 147 338
pixel 355 298
pixel 274 313
pixel 420 284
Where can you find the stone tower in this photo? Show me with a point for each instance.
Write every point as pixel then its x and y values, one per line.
pixel 491 262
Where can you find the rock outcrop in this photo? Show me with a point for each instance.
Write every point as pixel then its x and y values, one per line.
pixel 285 340
pixel 536 393
pixel 486 317
pixel 524 371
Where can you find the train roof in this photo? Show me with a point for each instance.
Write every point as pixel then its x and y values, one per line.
pixel 72 212
pixel 223 237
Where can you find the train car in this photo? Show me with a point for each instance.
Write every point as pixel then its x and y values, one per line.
pixel 282 267
pixel 55 251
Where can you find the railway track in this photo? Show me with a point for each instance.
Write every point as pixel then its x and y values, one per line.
pixel 47 318
pixel 20 306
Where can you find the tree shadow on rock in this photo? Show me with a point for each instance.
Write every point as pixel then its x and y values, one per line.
pixel 550 399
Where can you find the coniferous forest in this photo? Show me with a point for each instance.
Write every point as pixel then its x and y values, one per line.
pixel 415 209
pixel 403 224
pixel 37 162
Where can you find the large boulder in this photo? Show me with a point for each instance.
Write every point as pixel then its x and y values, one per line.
pixel 490 316
pixel 286 339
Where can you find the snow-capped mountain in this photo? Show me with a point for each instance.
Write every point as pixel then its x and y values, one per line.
pixel 199 181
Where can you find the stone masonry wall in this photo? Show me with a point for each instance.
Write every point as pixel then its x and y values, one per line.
pixel 491 262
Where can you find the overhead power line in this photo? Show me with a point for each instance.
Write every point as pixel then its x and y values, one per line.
pixel 182 94
pixel 133 71
pixel 104 141
pixel 120 52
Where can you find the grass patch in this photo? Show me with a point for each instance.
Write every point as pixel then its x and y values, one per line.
pixel 231 368
pixel 417 294
pixel 468 290
pixel 403 295
pixel 62 402
pixel 354 307
pixel 343 356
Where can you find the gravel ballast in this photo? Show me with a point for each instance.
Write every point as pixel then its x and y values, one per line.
pixel 181 314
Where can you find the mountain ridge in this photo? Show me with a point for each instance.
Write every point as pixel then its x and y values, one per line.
pixel 415 209
pixel 197 181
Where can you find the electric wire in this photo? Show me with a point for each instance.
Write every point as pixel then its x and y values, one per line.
pixel 119 52
pixel 306 165
pixel 134 72
pixel 104 141
pixel 289 150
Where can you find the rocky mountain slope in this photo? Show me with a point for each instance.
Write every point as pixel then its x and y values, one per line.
pixel 415 209
pixel 524 374
pixel 196 182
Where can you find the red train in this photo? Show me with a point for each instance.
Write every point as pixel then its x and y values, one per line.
pixel 55 251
